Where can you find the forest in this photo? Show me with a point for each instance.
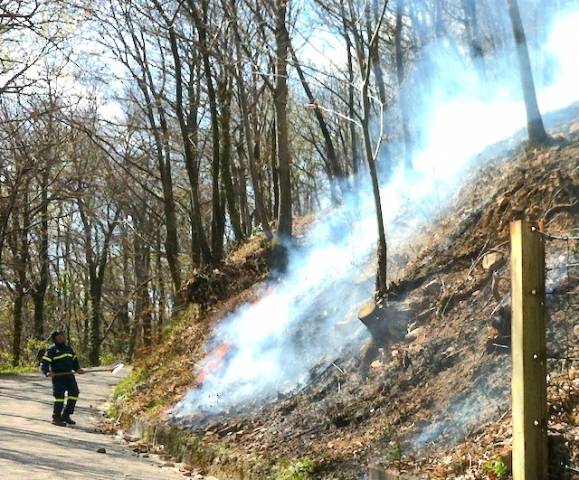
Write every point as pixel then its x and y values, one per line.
pixel 143 140
pixel 289 239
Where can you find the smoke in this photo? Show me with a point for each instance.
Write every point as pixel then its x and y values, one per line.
pixel 485 399
pixel 274 345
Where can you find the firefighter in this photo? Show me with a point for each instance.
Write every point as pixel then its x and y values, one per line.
pixel 61 359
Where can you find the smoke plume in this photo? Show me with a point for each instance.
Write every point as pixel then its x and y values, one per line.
pixel 274 344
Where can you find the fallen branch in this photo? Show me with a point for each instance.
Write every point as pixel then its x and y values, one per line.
pixel 339 369
pixel 555 209
pixel 484 254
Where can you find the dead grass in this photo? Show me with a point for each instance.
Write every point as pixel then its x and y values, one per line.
pixel 342 421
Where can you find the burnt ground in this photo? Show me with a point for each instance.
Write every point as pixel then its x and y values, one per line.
pixel 437 402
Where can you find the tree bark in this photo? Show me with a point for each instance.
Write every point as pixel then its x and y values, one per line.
pixel 284 220
pixel 161 315
pixel 402 98
pixel 20 251
pixel 374 52
pixel 96 266
pixel 217 231
pixel 335 169
pixel 39 290
pixel 535 126
pixel 142 278
pixel 225 128
pixel 382 270
pixel 351 98
pixel 188 130
pixel 248 131
pixel 17 326
pixel 473 36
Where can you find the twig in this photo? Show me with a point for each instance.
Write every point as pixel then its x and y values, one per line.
pixel 339 369
pixel 483 254
pixel 554 210
pixel 548 236
pixel 507 411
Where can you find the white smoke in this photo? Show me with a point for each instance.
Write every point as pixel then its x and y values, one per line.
pixel 275 343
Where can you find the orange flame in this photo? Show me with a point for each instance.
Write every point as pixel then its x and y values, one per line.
pixel 213 362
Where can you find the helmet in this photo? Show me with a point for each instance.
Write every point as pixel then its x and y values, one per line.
pixel 54 334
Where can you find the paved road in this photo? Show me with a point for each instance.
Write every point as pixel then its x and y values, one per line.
pixel 31 448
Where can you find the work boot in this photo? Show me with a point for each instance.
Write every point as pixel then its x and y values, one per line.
pixel 66 418
pixel 58 421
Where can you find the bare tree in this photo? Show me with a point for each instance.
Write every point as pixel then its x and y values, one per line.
pixel 282 43
pixel 535 127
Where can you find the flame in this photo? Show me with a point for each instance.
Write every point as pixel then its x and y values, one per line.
pixel 213 362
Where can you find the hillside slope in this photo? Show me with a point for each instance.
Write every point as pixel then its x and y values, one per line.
pixel 435 402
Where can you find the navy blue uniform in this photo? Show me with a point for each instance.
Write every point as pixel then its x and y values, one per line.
pixel 62 359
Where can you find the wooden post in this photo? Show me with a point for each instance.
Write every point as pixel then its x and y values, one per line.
pixel 529 352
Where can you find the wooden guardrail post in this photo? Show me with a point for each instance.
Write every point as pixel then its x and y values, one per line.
pixel 529 352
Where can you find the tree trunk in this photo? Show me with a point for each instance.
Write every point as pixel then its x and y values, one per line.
pixel 225 128
pixel 39 291
pixel 95 322
pixel 161 316
pixel 20 252
pixel 188 129
pixel 374 52
pixel 172 240
pixel 402 99
pixel 351 100
pixel 17 334
pixel 96 266
pixel 535 127
pixel 274 169
pixel 473 36
pixel 382 270
pixel 201 22
pixel 332 158
pixel 241 174
pixel 124 315
pixel 250 141
pixel 284 223
pixel 142 300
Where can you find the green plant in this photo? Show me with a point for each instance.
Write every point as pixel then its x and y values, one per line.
pixel 496 467
pixel 32 348
pixel 19 370
pixel 124 389
pixel 181 321
pixel 301 469
pixel 109 358
pixel 385 427
pixel 126 386
pixel 395 453
pixel 28 363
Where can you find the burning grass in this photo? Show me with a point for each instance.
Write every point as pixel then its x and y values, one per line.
pixel 436 402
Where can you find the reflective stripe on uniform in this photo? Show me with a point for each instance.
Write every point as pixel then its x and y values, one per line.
pixel 58 400
pixel 48 359
pixel 64 355
pixel 73 398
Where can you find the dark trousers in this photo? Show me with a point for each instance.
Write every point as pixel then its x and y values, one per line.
pixel 60 386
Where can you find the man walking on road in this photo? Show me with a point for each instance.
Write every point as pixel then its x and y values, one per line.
pixel 60 363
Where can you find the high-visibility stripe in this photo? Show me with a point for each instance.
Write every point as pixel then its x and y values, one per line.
pixel 73 398
pixel 59 400
pixel 64 355
pixel 48 359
